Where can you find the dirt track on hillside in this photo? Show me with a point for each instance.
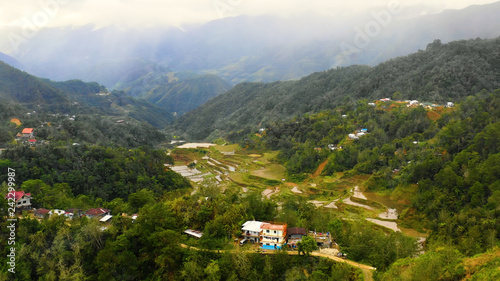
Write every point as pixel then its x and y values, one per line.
pixel 320 169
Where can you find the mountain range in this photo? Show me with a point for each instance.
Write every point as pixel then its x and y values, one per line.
pixel 441 73
pixel 245 48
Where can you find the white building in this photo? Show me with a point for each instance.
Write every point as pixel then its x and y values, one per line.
pixel 353 137
pixel 57 212
pixel 413 102
pixel 22 200
pixel 251 230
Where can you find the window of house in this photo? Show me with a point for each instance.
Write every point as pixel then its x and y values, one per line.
pixel 275 232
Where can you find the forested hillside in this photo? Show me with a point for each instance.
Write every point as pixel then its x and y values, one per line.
pixel 21 88
pixel 444 162
pixel 75 97
pixel 441 73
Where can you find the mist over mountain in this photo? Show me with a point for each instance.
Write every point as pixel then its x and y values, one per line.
pixel 10 60
pixel 441 73
pixel 249 48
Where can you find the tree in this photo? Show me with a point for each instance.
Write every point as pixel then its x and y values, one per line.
pixel 397 96
pixel 307 245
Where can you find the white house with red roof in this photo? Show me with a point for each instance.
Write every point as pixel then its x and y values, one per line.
pixel 22 200
pixel 97 212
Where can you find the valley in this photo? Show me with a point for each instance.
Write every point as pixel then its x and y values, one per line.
pixel 252 148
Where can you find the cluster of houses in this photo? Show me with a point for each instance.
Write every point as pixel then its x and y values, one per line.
pixel 274 235
pixel 23 203
pixel 428 105
pixel 359 133
pixel 414 103
pixel 104 215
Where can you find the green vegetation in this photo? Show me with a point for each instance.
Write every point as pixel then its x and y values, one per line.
pixel 446 264
pixel 441 73
pixel 307 245
pixel 21 88
pixel 74 97
pixel 453 161
pixel 441 165
pixel 97 172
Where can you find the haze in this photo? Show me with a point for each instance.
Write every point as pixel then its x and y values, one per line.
pixel 149 13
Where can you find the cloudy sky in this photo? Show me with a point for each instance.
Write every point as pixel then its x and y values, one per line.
pixel 147 13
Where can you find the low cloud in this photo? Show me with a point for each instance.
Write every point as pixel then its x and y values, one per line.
pixel 147 13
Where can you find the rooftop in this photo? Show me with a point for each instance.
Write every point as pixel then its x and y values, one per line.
pixel 17 195
pixel 41 211
pixel 194 233
pixel 252 226
pixel 106 218
pixel 270 226
pixel 96 212
pixel 296 231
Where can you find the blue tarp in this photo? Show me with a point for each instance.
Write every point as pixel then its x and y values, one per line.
pixel 266 247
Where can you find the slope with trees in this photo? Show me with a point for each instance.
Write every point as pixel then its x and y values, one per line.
pixel 441 73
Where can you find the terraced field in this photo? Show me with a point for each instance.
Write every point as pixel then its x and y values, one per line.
pixel 235 168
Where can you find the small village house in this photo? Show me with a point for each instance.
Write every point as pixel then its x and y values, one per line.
pixel 295 235
pixel 98 212
pixel 273 236
pixel 73 213
pixel 22 200
pixel 323 240
pixel 41 213
pixel 353 137
pixel 251 231
pixel 413 103
pixel 28 133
